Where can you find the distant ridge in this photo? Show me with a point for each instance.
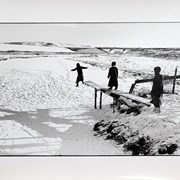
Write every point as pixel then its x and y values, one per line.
pixel 52 47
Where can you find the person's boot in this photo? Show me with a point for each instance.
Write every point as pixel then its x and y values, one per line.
pixel 157 110
pixel 77 85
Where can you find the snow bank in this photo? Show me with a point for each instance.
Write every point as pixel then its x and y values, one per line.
pixel 147 133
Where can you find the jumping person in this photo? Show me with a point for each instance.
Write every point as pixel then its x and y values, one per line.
pixel 157 89
pixel 113 76
pixel 80 76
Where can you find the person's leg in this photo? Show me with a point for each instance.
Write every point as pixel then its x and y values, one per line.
pixel 157 104
pixel 110 84
pixel 116 83
pixel 154 101
pixel 77 82
pixel 82 81
pixel 81 78
pixel 157 110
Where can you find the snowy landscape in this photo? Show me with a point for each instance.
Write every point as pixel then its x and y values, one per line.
pixel 42 112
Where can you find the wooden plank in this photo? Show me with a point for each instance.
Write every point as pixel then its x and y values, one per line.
pixel 106 91
pixel 110 92
pixel 92 84
pixel 150 80
pixel 128 103
pixel 137 99
pixel 118 94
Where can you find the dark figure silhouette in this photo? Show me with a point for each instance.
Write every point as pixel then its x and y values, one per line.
pixel 80 73
pixel 113 75
pixel 157 89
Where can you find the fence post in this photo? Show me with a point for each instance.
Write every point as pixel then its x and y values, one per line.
pixel 174 81
pixel 132 88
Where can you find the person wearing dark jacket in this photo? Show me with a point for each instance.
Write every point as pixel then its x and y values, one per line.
pixel 80 76
pixel 157 89
pixel 113 76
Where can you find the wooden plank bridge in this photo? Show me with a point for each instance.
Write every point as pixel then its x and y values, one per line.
pixel 128 99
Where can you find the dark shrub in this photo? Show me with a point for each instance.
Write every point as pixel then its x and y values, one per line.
pixel 140 146
pixel 168 148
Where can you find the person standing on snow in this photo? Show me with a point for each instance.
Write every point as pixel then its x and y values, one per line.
pixel 113 76
pixel 157 89
pixel 80 76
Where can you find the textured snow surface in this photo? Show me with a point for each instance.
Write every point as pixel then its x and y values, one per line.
pixel 43 113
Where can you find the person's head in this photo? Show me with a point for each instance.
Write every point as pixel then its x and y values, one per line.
pixel 77 65
pixel 113 63
pixel 157 70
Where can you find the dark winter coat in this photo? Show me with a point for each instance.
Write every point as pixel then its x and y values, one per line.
pixel 157 88
pixel 113 75
pixel 80 73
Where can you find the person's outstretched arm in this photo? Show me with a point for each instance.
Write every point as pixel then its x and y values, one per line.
pixel 83 67
pixel 74 69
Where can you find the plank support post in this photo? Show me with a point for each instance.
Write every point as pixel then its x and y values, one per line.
pixel 95 99
pixel 119 104
pixel 113 105
pixel 100 103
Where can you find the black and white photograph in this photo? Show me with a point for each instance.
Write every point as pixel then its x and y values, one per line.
pixel 92 88
pixel 89 89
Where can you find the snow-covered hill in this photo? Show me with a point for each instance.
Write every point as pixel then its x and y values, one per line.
pixel 32 47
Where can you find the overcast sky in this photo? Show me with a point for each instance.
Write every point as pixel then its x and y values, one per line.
pixel 121 35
